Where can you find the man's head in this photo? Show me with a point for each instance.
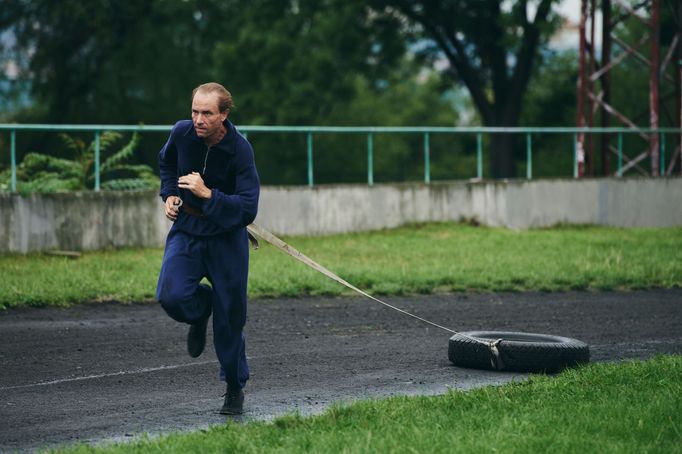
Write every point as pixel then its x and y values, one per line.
pixel 211 104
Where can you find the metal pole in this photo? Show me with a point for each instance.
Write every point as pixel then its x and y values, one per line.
pixel 605 80
pixel 529 157
pixel 653 83
pixel 662 165
pixel 13 157
pixel 310 159
pixel 479 156
pixel 575 155
pixel 589 158
pixel 370 159
pixel 427 160
pixel 678 91
pixel 579 140
pixel 620 154
pixel 96 160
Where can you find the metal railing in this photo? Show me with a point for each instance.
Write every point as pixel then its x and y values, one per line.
pixel 370 131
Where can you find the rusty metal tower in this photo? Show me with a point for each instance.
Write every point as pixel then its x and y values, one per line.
pixel 594 82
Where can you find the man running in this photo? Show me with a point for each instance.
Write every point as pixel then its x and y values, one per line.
pixel 210 187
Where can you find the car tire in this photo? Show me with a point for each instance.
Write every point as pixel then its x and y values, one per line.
pixel 519 352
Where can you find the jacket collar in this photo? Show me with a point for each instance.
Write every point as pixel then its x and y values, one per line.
pixel 226 143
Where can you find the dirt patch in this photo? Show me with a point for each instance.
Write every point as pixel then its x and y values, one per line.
pixel 109 371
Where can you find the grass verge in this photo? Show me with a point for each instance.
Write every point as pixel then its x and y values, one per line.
pixel 417 259
pixel 626 407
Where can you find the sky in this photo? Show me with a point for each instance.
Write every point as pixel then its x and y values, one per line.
pixel 570 9
pixel 567 37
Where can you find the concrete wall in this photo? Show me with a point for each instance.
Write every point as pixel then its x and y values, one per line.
pixel 515 204
pixel 89 220
pixel 80 220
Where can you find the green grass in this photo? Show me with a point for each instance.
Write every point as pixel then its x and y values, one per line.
pixel 627 407
pixel 417 259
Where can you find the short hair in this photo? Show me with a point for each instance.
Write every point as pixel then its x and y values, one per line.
pixel 225 103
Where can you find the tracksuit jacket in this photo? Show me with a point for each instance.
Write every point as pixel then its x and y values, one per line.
pixel 214 245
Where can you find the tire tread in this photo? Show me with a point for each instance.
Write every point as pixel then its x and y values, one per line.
pixel 528 356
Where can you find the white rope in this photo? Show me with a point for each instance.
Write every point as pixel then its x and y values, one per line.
pixel 254 229
pixel 284 247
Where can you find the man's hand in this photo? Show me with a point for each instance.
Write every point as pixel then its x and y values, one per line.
pixel 194 183
pixel 171 207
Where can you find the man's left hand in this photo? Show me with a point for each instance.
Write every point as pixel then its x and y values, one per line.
pixel 194 183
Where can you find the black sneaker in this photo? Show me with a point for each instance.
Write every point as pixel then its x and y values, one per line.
pixel 196 338
pixel 234 403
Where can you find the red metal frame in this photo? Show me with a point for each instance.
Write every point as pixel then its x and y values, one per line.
pixel 594 84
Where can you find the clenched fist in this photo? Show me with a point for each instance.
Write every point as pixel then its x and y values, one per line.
pixel 171 208
pixel 194 183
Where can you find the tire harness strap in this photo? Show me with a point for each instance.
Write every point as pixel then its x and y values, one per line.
pixel 254 229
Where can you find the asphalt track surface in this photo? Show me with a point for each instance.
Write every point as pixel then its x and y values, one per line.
pixel 107 371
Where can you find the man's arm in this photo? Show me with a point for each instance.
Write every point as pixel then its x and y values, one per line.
pixel 240 208
pixel 234 210
pixel 168 168
pixel 168 171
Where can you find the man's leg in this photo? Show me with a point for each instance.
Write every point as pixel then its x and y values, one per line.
pixel 228 271
pixel 179 291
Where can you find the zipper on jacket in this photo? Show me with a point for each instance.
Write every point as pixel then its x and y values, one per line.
pixel 206 160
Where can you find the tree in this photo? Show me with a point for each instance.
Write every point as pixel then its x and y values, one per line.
pixel 551 101
pixel 297 63
pixel 109 62
pixel 125 62
pixel 489 47
pixel 112 62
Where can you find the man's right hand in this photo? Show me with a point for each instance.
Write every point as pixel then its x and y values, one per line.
pixel 171 208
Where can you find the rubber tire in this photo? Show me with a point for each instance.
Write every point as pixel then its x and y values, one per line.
pixel 520 352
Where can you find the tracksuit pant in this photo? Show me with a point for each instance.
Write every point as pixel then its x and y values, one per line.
pixel 224 260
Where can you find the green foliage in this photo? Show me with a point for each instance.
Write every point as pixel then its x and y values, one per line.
pixel 408 97
pixel 44 173
pixel 315 62
pixel 286 62
pixel 419 259
pixel 307 62
pixel 608 407
pixel 551 101
pixel 490 48
pixel 96 62
pixel 403 100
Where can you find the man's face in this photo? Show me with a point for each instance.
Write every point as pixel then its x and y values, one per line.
pixel 206 115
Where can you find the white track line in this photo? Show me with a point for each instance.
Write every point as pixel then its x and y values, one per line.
pixel 112 374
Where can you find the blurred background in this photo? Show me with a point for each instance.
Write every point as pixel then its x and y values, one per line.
pixel 304 62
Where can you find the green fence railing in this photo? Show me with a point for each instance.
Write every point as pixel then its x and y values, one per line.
pixel 370 131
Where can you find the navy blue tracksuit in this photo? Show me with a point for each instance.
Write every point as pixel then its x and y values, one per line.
pixel 210 240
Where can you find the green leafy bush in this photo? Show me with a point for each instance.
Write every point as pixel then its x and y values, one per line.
pixel 40 172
